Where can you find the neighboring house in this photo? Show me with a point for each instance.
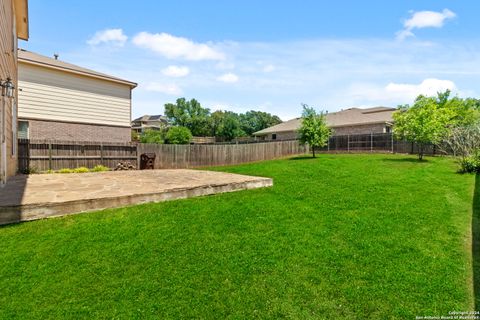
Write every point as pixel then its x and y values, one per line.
pixel 346 122
pixel 146 122
pixel 62 101
pixel 13 26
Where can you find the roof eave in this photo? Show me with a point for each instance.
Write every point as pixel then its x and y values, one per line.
pixel 132 85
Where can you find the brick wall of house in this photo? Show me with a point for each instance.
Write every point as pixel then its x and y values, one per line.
pixel 363 129
pixel 286 135
pixel 52 130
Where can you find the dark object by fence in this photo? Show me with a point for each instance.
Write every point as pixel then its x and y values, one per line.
pixel 147 161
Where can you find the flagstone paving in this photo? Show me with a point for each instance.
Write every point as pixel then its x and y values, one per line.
pixel 46 195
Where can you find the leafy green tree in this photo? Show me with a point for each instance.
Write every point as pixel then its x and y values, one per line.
pixel 430 120
pixel 226 124
pixel 423 123
pixel 230 127
pixel 152 136
pixel 216 121
pixel 253 121
pixel 189 114
pixel 314 129
pixel 178 135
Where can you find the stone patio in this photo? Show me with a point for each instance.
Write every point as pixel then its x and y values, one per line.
pixel 40 196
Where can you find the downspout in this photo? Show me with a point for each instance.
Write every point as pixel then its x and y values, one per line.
pixel 3 145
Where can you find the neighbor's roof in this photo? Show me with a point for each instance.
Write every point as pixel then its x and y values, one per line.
pixel 21 18
pixel 348 117
pixel 37 59
pixel 151 118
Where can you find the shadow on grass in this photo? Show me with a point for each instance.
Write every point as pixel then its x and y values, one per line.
pixel 302 158
pixel 476 241
pixel 409 159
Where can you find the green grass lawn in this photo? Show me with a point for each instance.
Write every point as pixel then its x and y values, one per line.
pixel 339 236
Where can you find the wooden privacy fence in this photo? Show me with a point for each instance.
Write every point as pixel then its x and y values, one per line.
pixel 43 155
pixel 190 156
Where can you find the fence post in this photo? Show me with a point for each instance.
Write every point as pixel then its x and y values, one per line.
pixel 371 141
pixel 49 156
pixel 348 143
pixel 101 154
pixel 392 142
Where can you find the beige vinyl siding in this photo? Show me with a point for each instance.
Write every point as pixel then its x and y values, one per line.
pixel 8 69
pixel 50 94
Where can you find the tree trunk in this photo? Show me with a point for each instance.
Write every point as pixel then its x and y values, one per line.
pixel 420 151
pixel 313 151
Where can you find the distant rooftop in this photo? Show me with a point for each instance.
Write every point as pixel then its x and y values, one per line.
pixel 347 117
pixel 38 59
pixel 147 118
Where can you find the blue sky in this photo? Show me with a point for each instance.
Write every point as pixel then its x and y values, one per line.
pixel 268 55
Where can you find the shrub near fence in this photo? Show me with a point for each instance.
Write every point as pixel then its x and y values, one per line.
pixel 43 155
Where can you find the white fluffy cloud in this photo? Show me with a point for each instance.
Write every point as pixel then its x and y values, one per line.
pixel 108 36
pixel 228 78
pixel 428 87
pixel 170 89
pixel 173 47
pixel 424 19
pixel 176 71
pixel 269 68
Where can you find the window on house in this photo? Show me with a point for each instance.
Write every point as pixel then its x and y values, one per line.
pixel 388 129
pixel 23 129
pixel 274 136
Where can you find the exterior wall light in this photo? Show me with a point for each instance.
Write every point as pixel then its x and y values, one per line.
pixel 8 88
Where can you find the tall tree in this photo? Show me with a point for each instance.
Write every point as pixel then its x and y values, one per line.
pixel 253 121
pixel 423 123
pixel 189 114
pixel 314 129
pixel 226 124
pixel 430 120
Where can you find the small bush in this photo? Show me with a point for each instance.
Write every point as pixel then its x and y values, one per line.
pixel 65 170
pixel 470 164
pixel 179 135
pixel 100 168
pixel 30 170
pixel 50 171
pixel 152 136
pixel 81 170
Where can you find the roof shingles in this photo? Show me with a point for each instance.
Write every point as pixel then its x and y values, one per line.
pixel 348 117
